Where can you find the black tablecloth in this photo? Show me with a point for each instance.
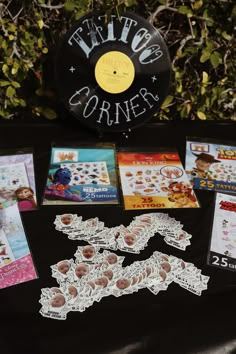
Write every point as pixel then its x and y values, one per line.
pixel 175 321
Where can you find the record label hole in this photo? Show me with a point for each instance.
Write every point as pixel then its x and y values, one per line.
pixel 114 72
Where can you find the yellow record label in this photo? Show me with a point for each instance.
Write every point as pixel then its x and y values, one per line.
pixel 114 72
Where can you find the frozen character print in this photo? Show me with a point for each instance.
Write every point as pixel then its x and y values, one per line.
pixel 7 195
pixel 25 198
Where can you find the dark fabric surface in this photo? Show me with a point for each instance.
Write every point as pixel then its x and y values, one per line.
pixel 175 321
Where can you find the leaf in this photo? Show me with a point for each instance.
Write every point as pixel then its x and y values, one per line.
pixel 226 36
pixel 69 6
pixel 203 90
pixel 204 33
pixel 4 68
pixel 215 59
pixel 45 50
pixel 10 91
pixel 40 23
pixel 15 84
pixel 40 43
pixel 11 37
pixel 11 28
pixel 204 77
pixel 179 88
pixel 167 101
pixel 197 4
pixel 4 83
pixel 183 112
pixel 201 115
pixel 48 113
pixel 189 107
pixel 14 70
pixel 210 45
pixel 4 44
pixel 129 3
pixel 185 11
pixel 205 56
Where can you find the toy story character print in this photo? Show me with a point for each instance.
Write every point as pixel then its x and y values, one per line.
pixel 203 163
pixel 211 165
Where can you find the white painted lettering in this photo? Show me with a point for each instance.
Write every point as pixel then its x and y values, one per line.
pixel 125 113
pixel 141 36
pixel 105 109
pixel 126 28
pixel 110 29
pixel 78 40
pixel 92 108
pixel 136 114
pixel 74 100
pixel 150 54
pixel 144 93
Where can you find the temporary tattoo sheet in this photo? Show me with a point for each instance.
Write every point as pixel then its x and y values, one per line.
pixel 211 165
pixel 17 181
pixel 95 274
pixel 82 176
pixel 154 181
pixel 222 250
pixel 16 264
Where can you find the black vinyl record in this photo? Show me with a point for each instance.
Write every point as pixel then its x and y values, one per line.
pixel 112 76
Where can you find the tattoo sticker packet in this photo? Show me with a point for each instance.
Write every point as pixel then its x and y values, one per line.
pixel 211 165
pixel 17 179
pixel 16 263
pixel 222 250
pixel 154 181
pixel 82 175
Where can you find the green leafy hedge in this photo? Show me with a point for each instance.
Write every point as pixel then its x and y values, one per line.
pixel 199 35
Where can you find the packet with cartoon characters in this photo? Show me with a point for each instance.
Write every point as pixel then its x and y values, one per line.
pixel 17 182
pixel 210 164
pixel 154 180
pixel 16 262
pixel 82 175
pixel 222 248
